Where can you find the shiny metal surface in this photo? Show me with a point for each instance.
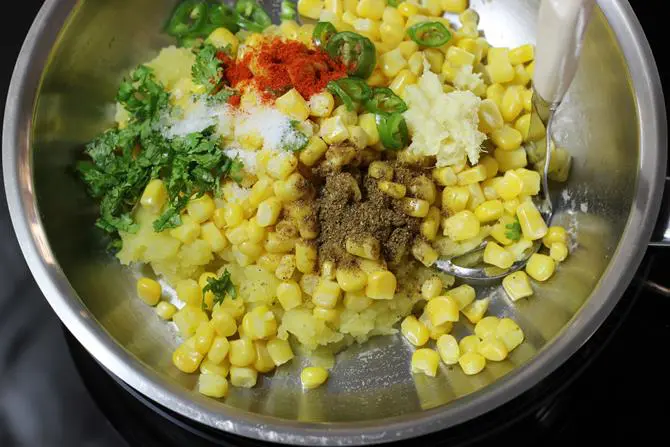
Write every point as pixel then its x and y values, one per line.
pixel 613 123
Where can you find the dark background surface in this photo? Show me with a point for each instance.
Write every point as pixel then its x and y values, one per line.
pixel 44 403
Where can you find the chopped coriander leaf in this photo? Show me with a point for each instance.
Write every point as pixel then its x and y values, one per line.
pixel 141 95
pixel 288 11
pixel 220 287
pixel 207 69
pixel 235 172
pixel 514 230
pixel 222 96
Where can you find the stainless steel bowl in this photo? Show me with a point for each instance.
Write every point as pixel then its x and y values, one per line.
pixel 61 95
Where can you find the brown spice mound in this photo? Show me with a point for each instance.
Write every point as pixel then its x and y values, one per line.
pixel 351 206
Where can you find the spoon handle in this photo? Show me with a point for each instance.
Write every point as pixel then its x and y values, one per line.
pixel 560 32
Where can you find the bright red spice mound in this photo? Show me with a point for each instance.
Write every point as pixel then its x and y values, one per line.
pixel 279 65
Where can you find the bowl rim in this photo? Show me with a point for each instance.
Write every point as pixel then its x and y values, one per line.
pixel 26 220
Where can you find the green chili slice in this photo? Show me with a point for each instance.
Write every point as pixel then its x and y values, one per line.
pixel 187 18
pixel 251 16
pixel 350 90
pixel 393 131
pixel 221 15
pixel 393 3
pixel 287 11
pixel 323 31
pixel 384 102
pixel 356 52
pixel 429 34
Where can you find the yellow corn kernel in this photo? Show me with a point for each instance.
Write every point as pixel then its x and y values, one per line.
pixel 520 249
pixel 186 358
pixel 395 190
pixel 431 224
pixel 414 331
pixel 268 212
pixel 224 323
pixel 527 97
pixel 261 190
pixel 238 234
pixel 281 165
pixel 507 138
pixel 454 6
pixel 368 28
pixel 392 62
pixel 310 8
pixel 351 279
pixel 219 218
pixel 530 68
pixel 166 310
pixel 381 285
pixel 218 350
pixel 445 176
pixel 204 336
pixel 263 362
pixel 462 295
pixel 154 196
pixel 392 16
pixel 289 295
pixel 327 315
pixel 243 377
pixel 233 215
pixel 476 196
pixel 435 331
pixel 371 9
pixel 286 267
pixel 349 117
pixel 530 219
pixel 305 256
pixel 509 333
pixel 500 72
pixel 187 232
pixel 335 7
pixel 540 267
pixel 432 287
pixel 189 292
pixel 259 323
pixel 415 207
pixel 211 234
pixel 408 9
pixel 512 103
pixel 490 118
pixel 221 38
pixel 313 377
pixel 305 33
pixel 333 130
pixel 461 226
pixel 555 234
pixel 435 59
pixel 200 209
pixel 522 54
pixel 368 123
pixel 321 104
pixel 472 363
pixel 469 343
pixel 521 77
pixel 493 349
pixel 366 247
pixel 510 159
pixel 447 347
pixel 442 309
pixel 424 252
pixel 489 211
pixel 250 249
pixel 289 29
pixel 500 230
pixel 423 188
pixel 377 78
pixel 517 286
pixel 495 93
pixel 212 385
pixel 476 310
pixel 280 351
pixel 313 152
pixel 530 127
pixel 242 352
pixel 358 137
pixel 494 254
pixel 404 78
pixel 149 291
pixel 293 105
pixel 510 185
pixel 328 270
pixel 558 251
pixel 356 301
pixel 380 170
pixel 391 34
pixel 487 327
pixel 458 56
pixel 489 187
pixel 251 140
pixel 326 294
pixel 425 361
pixel 472 175
pixel 415 64
pixel 455 198
pixel 269 261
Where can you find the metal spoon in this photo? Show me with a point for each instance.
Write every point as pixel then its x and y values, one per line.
pixel 561 27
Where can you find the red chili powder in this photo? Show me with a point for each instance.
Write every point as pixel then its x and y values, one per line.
pixel 279 65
